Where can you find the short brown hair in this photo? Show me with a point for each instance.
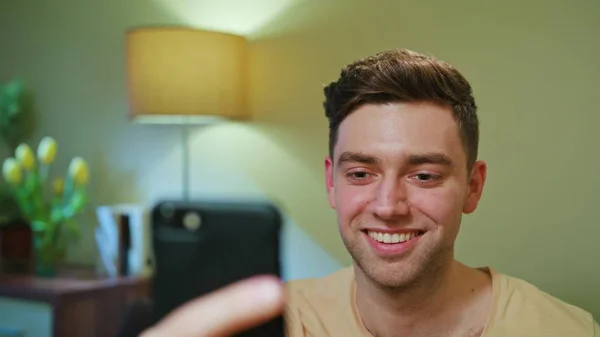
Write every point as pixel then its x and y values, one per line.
pixel 403 76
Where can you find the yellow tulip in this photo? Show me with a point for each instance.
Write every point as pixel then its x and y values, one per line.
pixel 58 186
pixel 11 171
pixel 47 150
pixel 78 170
pixel 24 155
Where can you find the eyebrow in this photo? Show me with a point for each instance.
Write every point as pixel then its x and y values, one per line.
pixel 413 160
pixel 429 158
pixel 356 157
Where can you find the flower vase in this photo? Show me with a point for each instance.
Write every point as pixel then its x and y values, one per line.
pixel 49 252
pixel 48 205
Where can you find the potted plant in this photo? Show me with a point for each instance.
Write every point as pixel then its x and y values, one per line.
pixel 48 205
pixel 15 125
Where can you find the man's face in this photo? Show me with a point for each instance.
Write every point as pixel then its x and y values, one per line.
pixel 399 184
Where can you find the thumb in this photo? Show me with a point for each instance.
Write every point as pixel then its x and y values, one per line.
pixel 227 311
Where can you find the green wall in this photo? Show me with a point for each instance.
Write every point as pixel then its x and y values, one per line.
pixel 533 65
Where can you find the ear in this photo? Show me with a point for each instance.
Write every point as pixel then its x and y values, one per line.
pixel 476 182
pixel 329 172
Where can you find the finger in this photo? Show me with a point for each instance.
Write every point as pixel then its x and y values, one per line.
pixel 227 311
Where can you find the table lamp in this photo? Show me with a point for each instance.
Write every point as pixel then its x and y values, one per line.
pixel 185 76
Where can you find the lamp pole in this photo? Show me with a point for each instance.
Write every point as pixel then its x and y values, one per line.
pixel 185 179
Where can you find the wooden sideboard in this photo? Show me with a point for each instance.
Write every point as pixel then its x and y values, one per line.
pixel 79 307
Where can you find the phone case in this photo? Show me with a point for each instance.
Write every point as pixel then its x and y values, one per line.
pixel 202 246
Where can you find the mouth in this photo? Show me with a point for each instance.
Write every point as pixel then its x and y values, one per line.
pixel 393 243
pixel 393 238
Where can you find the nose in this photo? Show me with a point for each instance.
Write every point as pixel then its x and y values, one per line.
pixel 390 199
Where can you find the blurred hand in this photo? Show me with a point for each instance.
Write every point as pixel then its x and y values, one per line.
pixel 228 311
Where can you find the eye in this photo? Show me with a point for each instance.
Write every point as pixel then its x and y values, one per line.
pixel 424 176
pixel 358 175
pixel 427 177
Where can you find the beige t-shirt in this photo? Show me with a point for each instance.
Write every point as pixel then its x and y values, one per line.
pixel 325 307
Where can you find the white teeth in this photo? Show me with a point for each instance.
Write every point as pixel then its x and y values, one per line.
pixel 392 238
pixel 387 238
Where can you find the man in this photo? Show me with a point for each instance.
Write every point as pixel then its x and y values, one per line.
pixel 402 169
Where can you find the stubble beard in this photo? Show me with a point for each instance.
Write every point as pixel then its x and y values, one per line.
pixel 418 268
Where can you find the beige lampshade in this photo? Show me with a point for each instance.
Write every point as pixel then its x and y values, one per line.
pixel 182 75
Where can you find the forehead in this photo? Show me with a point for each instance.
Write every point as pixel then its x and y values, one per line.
pixel 397 130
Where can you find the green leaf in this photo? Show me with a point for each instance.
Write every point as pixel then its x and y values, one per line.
pixel 14 89
pixel 39 226
pixel 56 215
pixel 77 200
pixel 68 212
pixel 13 109
pixel 30 182
pixel 23 202
pixel 68 188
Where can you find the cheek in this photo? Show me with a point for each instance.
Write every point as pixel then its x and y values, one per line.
pixel 351 202
pixel 440 205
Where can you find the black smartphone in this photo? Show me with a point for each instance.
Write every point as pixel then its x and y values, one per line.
pixel 202 246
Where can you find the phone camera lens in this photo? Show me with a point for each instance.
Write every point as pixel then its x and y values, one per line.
pixel 192 221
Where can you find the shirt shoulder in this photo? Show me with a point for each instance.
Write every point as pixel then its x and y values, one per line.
pixel 322 306
pixel 522 309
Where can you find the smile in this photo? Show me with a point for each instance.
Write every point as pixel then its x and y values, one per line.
pixel 393 238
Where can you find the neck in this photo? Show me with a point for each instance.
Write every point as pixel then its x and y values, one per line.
pixel 433 305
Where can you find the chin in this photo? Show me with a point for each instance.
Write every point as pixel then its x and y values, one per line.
pixel 399 274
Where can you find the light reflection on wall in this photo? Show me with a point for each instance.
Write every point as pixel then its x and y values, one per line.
pixel 240 17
